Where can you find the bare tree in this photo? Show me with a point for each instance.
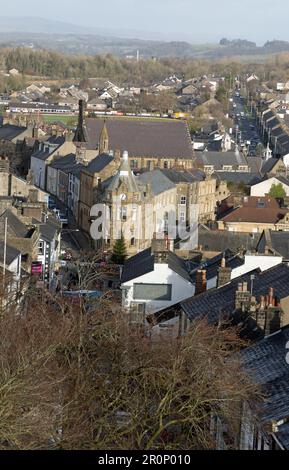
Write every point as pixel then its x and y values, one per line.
pixel 77 380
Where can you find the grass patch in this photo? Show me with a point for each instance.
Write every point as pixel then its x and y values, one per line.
pixel 70 121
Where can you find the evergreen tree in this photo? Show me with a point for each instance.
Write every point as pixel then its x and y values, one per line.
pixel 119 253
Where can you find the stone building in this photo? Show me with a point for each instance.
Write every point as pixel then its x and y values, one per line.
pixel 98 170
pixel 162 143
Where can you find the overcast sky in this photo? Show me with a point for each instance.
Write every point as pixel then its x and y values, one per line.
pixel 193 20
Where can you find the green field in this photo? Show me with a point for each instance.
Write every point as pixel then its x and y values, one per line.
pixel 70 121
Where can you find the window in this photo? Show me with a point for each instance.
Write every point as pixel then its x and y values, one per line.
pixel 41 248
pixel 183 200
pixel 166 165
pixel 132 241
pixel 156 292
pixel 182 216
pixel 166 222
pixel 134 164
pixel 123 211
pixel 227 167
pixel 134 213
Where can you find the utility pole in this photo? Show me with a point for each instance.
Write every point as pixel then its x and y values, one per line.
pixel 4 265
pixel 5 253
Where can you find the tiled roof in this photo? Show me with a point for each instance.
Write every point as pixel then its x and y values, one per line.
pixel 257 209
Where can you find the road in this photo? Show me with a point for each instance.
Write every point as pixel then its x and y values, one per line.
pixel 245 127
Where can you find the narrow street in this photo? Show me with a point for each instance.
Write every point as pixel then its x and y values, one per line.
pixel 245 127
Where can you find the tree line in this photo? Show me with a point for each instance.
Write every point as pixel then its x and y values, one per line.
pixel 53 64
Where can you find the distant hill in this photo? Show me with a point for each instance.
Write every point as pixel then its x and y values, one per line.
pixel 39 33
pixel 37 25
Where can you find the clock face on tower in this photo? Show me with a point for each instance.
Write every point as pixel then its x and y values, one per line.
pixel 122 197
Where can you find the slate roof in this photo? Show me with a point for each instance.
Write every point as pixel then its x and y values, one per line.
pixel 178 176
pixel 99 163
pixel 43 152
pixel 219 241
pixel 15 227
pixel 68 164
pixel 49 230
pixel 215 303
pixel 215 145
pixel 277 241
pixel 143 263
pixel 266 362
pixel 212 265
pixel 10 132
pixel 219 159
pixel 11 253
pixel 283 139
pixel 64 162
pixel 138 265
pixel 269 165
pixel 123 175
pixel 158 181
pixel 255 164
pixel 277 132
pixel 143 137
pixel 268 115
pixel 273 123
pixel 238 177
